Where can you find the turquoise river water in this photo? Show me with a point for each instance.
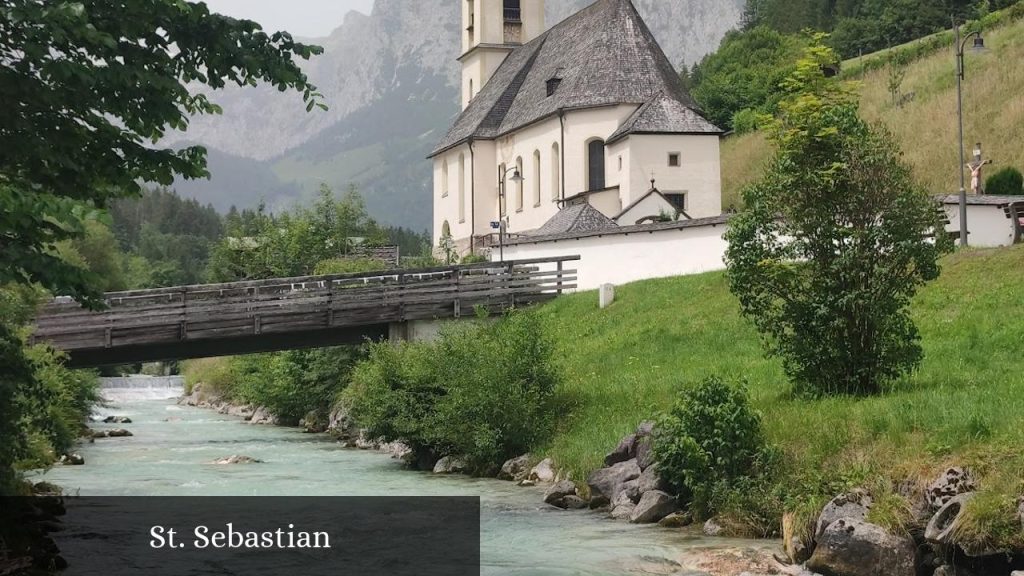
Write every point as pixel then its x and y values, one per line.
pixel 172 447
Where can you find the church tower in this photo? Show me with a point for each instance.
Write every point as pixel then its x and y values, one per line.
pixel 491 30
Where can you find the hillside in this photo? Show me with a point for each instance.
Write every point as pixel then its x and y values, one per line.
pixel 926 127
pixel 963 406
pixel 390 80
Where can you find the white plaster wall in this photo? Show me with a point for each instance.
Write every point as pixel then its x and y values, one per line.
pixel 652 205
pixel 699 173
pixel 621 259
pixel 987 226
pixel 446 208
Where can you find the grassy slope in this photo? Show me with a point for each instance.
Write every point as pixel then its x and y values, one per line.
pixel 926 128
pixel 963 406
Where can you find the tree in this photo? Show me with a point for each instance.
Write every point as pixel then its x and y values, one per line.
pixel 88 87
pixel 834 243
pixel 1006 182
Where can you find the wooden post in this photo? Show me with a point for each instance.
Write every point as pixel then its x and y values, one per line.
pixel 458 295
pixel 401 297
pixel 508 282
pixel 560 277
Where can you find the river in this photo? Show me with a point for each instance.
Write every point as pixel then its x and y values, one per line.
pixel 172 446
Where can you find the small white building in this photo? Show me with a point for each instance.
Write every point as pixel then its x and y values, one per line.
pixel 588 112
pixel 992 221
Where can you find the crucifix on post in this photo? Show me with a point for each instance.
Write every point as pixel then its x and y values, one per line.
pixel 976 166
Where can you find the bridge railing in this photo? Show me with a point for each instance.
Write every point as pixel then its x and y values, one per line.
pixel 310 303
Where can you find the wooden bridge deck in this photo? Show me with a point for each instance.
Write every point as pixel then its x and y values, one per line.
pixel 288 313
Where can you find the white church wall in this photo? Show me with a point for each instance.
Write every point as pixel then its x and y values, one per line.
pixel 699 173
pixel 582 126
pixel 988 226
pixel 623 258
pixel 652 205
pixel 540 137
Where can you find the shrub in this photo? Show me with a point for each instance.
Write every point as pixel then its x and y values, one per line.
pixel 709 441
pixel 1006 182
pixel 484 391
pixel 745 121
pixel 349 266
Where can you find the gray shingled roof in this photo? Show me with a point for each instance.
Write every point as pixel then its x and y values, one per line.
pixel 622 230
pixel 604 54
pixel 573 219
pixel 664 115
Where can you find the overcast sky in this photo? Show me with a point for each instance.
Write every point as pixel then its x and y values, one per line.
pixel 309 18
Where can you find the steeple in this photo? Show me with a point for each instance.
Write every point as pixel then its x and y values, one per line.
pixel 491 29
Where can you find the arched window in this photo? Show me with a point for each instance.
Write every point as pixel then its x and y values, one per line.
pixel 536 178
pixel 470 88
pixel 595 165
pixel 556 172
pixel 462 188
pixel 519 185
pixel 446 230
pixel 444 179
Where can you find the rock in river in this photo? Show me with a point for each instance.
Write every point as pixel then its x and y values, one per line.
pixel 72 459
pixel 449 465
pixel 543 472
pixel 118 433
pixel 514 469
pixel 654 505
pixel 236 459
pixel 606 483
pixel 857 548
pixel 557 494
pixel 117 420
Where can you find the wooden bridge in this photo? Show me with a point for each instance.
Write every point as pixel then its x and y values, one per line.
pixel 289 313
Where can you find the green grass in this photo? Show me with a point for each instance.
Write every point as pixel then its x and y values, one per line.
pixel 964 406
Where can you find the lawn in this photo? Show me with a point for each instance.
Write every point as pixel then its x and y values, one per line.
pixel 964 406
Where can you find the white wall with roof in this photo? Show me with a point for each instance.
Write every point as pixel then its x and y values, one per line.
pixel 988 225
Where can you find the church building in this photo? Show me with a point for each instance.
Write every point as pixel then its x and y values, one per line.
pixel 587 113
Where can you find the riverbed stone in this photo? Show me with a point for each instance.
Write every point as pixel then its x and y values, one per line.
pixel 653 506
pixel 676 520
pixel 544 471
pixel 450 465
pixel 515 469
pixel 626 450
pixel 72 459
pixel 623 511
pixel 575 503
pixel 557 493
pixel 118 433
pixel 851 547
pixel 853 505
pixel 712 528
pixel 237 459
pixel 953 482
pixel 631 490
pixel 117 420
pixel 262 416
pixel 650 480
pixel 606 483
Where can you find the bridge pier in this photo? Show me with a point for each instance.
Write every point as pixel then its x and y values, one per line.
pixel 415 330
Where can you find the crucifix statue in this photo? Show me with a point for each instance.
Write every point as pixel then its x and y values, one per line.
pixel 976 167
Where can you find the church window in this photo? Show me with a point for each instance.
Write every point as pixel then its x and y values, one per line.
pixel 556 171
pixel 677 200
pixel 620 162
pixel 595 165
pixel 674 159
pixel 444 179
pixel 536 178
pixel 519 185
pixel 512 11
pixel 462 188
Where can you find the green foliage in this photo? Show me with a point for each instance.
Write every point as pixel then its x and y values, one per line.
pixel 1006 182
pixel 834 243
pixel 483 392
pixel 745 121
pixel 708 441
pixel 744 74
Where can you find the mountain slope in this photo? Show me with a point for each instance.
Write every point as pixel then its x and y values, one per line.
pixel 390 80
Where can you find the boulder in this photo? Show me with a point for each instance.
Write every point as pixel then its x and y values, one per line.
pixel 118 433
pixel 397 450
pixel 364 442
pixel 340 423
pixel 575 503
pixel 644 454
pixel 853 505
pixel 623 511
pixel 606 483
pixel 952 483
pixel 653 506
pixel 631 490
pixel 626 450
pixel 449 465
pixel 676 520
pixel 856 548
pixel 117 420
pixel 544 471
pixel 515 469
pixel 527 483
pixel 713 528
pixel 97 434
pixel 72 459
pixel 263 416
pixel 236 459
pixel 940 527
pixel 645 428
pixel 650 480
pixel 557 493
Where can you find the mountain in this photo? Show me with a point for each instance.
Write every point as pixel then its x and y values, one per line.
pixel 390 80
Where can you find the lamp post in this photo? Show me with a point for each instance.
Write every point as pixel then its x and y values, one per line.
pixel 961 45
pixel 517 178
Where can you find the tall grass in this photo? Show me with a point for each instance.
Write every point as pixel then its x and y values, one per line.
pixel 962 407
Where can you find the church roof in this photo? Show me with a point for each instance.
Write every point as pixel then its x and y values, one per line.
pixel 603 55
pixel 577 218
pixel 663 114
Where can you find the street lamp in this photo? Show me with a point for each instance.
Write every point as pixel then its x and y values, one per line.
pixel 961 45
pixel 517 179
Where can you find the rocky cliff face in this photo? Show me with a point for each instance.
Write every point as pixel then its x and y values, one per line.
pixel 397 62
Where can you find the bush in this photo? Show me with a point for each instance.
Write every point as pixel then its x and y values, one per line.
pixel 745 121
pixel 709 441
pixel 483 391
pixel 1006 182
pixel 349 266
